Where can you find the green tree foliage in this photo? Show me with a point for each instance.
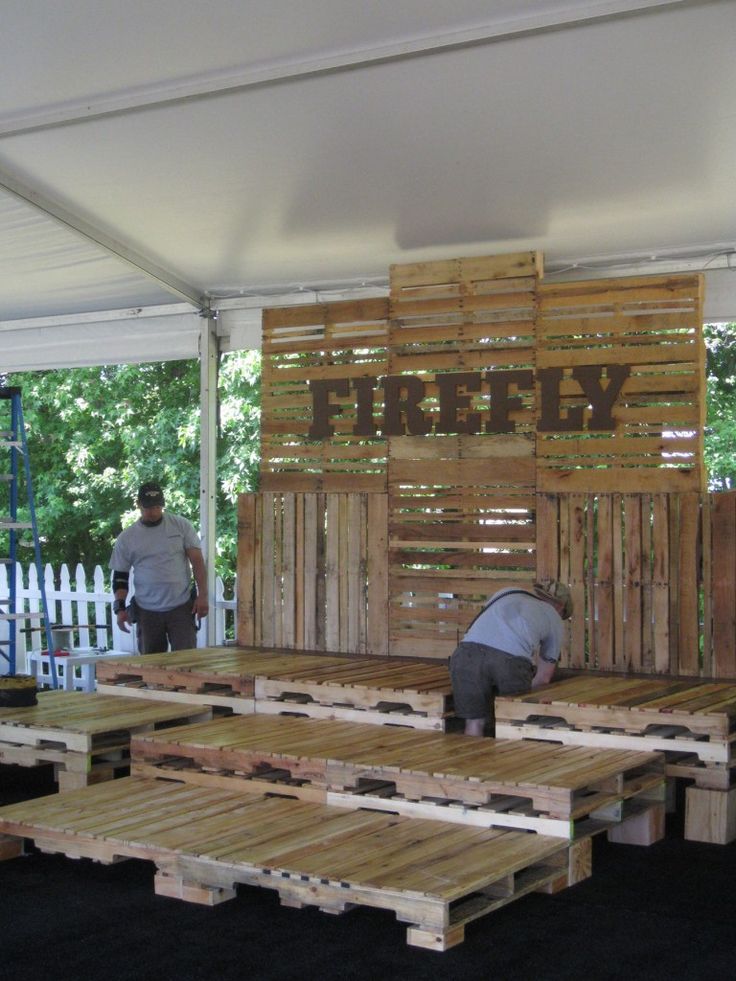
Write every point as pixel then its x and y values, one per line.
pixel 95 434
pixel 720 434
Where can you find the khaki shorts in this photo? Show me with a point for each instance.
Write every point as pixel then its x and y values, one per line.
pixel 477 671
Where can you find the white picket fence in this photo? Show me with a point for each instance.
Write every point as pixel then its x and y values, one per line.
pixel 88 609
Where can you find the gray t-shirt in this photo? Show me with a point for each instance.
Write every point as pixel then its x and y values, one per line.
pixel 520 624
pixel 159 561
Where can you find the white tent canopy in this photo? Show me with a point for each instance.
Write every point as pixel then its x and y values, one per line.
pixel 163 160
pixel 177 151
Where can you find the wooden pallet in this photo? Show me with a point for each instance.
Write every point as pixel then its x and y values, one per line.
pixel 692 722
pixel 224 675
pixel 435 876
pixel 376 690
pixel 86 736
pixel 555 790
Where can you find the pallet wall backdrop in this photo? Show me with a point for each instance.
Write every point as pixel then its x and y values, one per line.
pixel 653 578
pixel 310 567
pixel 640 581
pixel 469 499
pixel 652 325
pixel 461 505
pixel 320 342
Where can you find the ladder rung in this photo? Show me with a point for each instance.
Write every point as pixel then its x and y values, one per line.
pixel 17 443
pixel 21 616
pixel 18 525
pixel 6 478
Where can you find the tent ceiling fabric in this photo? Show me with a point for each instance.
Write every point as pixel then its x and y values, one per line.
pixel 248 147
pixel 47 271
pixel 166 333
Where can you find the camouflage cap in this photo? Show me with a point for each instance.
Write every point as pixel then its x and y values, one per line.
pixel 559 593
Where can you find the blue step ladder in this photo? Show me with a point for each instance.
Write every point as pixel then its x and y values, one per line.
pixel 12 531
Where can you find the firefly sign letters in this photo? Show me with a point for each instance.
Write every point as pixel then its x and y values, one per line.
pixel 403 415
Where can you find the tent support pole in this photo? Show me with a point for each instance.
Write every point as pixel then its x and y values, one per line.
pixel 208 362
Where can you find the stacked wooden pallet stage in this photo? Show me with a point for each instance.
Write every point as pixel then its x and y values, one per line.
pixel 333 812
pixel 247 680
pixel 693 722
pixel 554 790
pixel 435 876
pixel 441 829
pixel 86 736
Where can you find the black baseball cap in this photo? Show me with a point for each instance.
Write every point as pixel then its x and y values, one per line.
pixel 150 495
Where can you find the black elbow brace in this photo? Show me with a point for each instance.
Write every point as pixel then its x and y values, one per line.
pixel 119 580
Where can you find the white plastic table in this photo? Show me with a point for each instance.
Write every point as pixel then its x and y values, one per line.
pixel 74 671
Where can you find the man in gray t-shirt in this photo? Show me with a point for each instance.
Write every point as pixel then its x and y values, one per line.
pixel 164 551
pixel 498 651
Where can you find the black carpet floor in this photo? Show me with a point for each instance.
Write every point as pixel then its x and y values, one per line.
pixel 664 912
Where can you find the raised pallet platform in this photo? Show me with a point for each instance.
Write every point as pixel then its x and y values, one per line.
pixel 86 736
pixel 436 877
pixel 692 722
pixel 555 790
pixel 374 690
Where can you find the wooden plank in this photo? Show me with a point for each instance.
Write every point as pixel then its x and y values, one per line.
pixel 354 557
pixel 660 582
pixel 299 574
pixel 723 585
pixel 619 657
pixel 577 658
pixel 591 555
pixel 268 585
pixel 706 529
pixel 688 621
pixel 710 815
pixel 276 570
pixel 288 572
pixel 10 847
pixel 377 571
pixel 362 544
pixel 674 581
pixel 246 568
pixel 647 606
pixel 343 566
pixel 322 571
pixel 258 583
pixel 370 483
pixel 620 479
pixel 604 591
pixel 565 532
pixel 311 570
pixel 332 574
pixel 632 604
pixel 634 289
pixel 411 276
